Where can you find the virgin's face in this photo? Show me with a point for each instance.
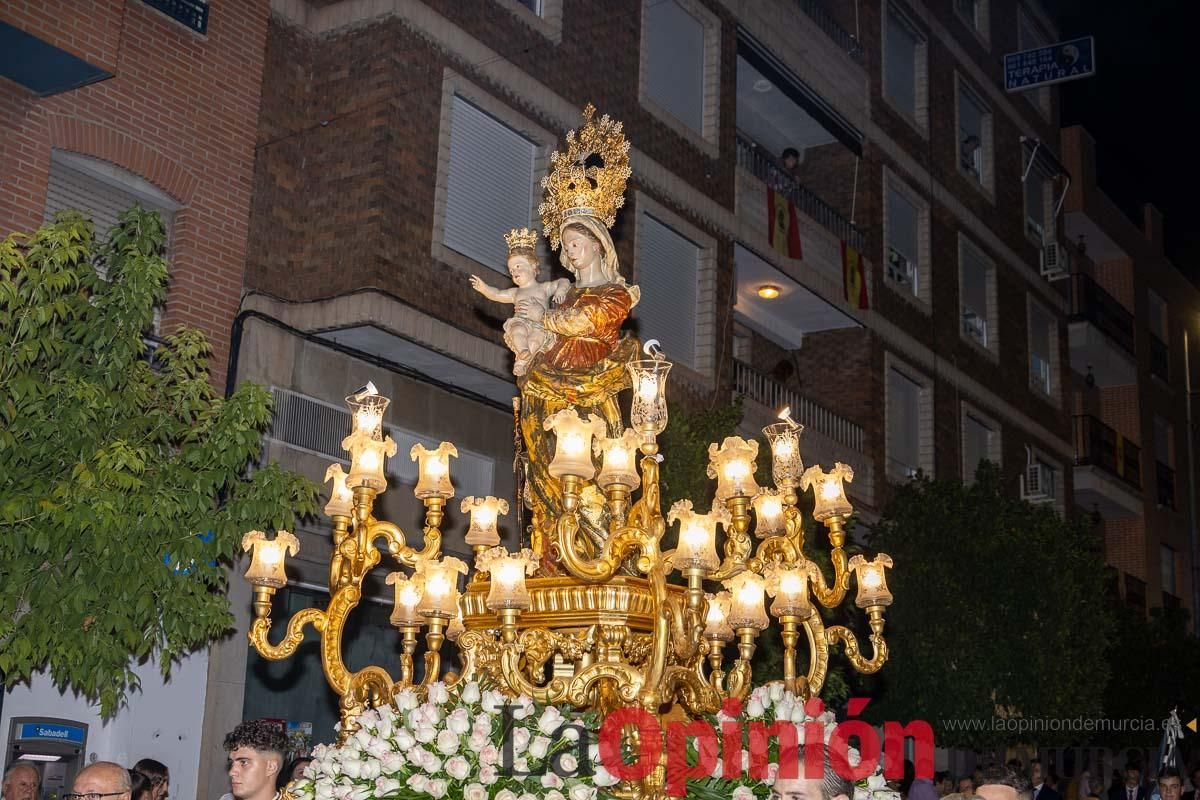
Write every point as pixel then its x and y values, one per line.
pixel 582 250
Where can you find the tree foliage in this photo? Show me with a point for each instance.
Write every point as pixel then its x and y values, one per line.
pixel 999 611
pixel 123 488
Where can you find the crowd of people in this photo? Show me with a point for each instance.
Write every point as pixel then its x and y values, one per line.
pixel 258 768
pixel 1035 783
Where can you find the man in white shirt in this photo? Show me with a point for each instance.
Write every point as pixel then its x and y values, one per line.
pixel 256 754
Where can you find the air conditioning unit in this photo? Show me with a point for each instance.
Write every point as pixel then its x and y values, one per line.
pixel 899 268
pixel 1056 261
pixel 1034 486
pixel 975 326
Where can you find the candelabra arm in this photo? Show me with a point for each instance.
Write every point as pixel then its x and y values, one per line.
pixel 850 642
pixel 832 595
pixel 510 668
pixel 793 525
pixel 341 532
pixel 261 629
pixel 790 637
pixel 397 542
pixel 737 540
pixel 740 676
pixel 617 548
pixel 434 639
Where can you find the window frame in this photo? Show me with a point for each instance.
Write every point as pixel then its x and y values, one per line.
pixel 985 181
pixel 925 446
pixel 707 140
pixel 979 23
pixel 1163 551
pixel 995 445
pixel 923 295
pixel 1052 395
pixel 919 117
pixel 991 345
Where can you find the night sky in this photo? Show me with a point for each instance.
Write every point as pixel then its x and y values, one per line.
pixel 1139 106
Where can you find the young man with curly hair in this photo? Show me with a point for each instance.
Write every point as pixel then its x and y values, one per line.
pixel 256 751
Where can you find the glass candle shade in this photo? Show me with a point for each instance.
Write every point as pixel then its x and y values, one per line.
pixel 508 588
pixel 732 464
pixel 648 410
pixel 408 597
pixel 439 586
pixel 872 580
pixel 456 627
pixel 746 608
pixel 341 497
pixel 617 461
pixel 267 557
pixel 716 623
pixel 433 470
pixel 484 512
pixel 829 495
pixel 367 459
pixel 697 547
pixel 789 587
pixel 366 412
pixel 573 442
pixel 786 464
pixel 768 513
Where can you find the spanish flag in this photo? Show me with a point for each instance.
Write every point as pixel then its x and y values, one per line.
pixel 783 228
pixel 854 280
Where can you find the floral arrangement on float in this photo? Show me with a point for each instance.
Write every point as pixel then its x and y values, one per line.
pixel 468 742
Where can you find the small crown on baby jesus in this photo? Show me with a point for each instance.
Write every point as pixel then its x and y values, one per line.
pixel 519 239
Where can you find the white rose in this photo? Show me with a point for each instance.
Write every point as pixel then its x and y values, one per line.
pixel 552 781
pixel 506 794
pixel 407 700
pixel 743 793
pixel 554 794
pixel 362 793
pixel 602 777
pixel 754 709
pixel 526 796
pixel 437 787
pixel 492 701
pixel 417 782
pixel 385 726
pixel 876 782
pixel 475 791
pixel 489 755
pixel 520 765
pixel 520 738
pixel 539 747
pixel 391 761
pixel 352 768
pixel 425 734
pixel 470 696
pixel 776 692
pixel 783 709
pixel 370 769
pixel 324 790
pixel 568 763
pixel 582 792
pixel 798 715
pixel 483 722
pixel 458 768
pixel 385 786
pixel 404 739
pixel 363 737
pixel 432 765
pixel 447 742
pixel 438 693
pixel 550 721
pixel 459 721
pixel 477 741
pixel 570 733
pixel 487 775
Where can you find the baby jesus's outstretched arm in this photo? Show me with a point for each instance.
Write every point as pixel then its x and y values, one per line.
pixel 492 293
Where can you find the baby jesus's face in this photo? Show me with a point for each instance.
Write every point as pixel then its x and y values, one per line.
pixel 523 269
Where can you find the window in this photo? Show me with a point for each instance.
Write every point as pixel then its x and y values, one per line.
pixel 679 67
pixel 980 442
pixel 977 291
pixel 1167 565
pixel 906 226
pixel 1162 441
pixel 974 137
pixel 667 271
pixel 975 14
pixel 1029 38
pixel 909 422
pixel 905 80
pixel 1037 209
pixel 484 204
pixel 1042 340
pixel 544 16
pixel 1156 315
pixel 1049 478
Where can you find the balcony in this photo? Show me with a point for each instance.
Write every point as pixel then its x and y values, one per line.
pixel 1160 359
pixel 1108 475
pixel 840 36
pixel 1101 334
pixel 1164 480
pixel 765 167
pixel 828 437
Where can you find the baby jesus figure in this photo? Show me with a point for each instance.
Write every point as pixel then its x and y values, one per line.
pixel 523 332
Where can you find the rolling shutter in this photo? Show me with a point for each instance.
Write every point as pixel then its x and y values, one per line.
pixel 667 273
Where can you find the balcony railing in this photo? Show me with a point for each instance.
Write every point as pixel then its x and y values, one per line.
pixel 1098 445
pixel 763 166
pixel 841 37
pixel 192 13
pixel 1160 359
pixel 1090 303
pixel 1164 478
pixel 760 388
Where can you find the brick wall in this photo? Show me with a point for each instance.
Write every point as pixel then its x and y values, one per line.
pixel 180 112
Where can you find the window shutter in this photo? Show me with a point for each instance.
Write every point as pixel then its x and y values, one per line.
pixel 901 63
pixel 1039 334
pixel 489 186
pixel 902 225
pixel 904 421
pixel 667 273
pixel 673 43
pixel 99 201
pixel 974 290
pixel 976 446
